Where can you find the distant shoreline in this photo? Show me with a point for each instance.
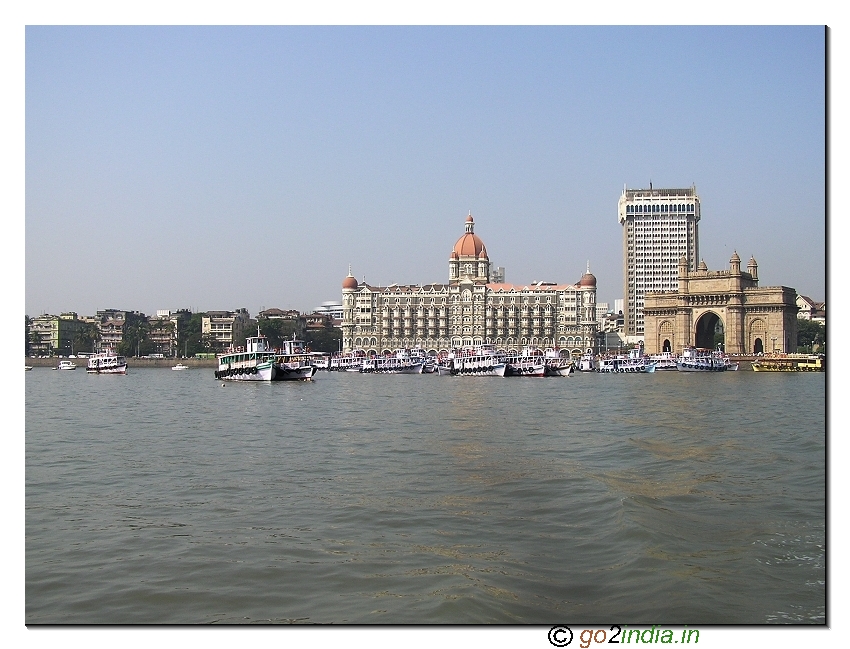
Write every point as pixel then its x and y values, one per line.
pixel 131 362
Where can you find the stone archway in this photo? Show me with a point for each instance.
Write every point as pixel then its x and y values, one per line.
pixel 666 347
pixel 708 324
pixel 758 346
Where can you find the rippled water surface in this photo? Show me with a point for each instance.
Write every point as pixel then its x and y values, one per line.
pixel 163 497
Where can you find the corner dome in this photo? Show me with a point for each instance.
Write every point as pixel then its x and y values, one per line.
pixel 349 282
pixel 588 279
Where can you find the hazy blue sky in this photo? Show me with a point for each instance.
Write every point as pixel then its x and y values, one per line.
pixel 227 167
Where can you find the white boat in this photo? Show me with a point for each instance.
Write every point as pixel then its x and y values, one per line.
pixel 107 363
pixel 345 362
pixel 696 359
pixel 557 365
pixel 473 361
pixel 587 362
pixel 399 363
pixel 180 366
pixel 254 363
pixel 529 362
pixel 293 362
pixel 67 365
pixel 27 368
pixel 664 361
pixel 633 362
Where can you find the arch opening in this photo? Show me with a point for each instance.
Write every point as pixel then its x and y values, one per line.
pixel 710 332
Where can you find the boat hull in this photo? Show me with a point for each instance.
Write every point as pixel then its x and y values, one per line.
pixel 697 367
pixel 560 371
pixel 496 369
pixel 107 370
pixel 260 372
pixel 287 373
pixel 412 368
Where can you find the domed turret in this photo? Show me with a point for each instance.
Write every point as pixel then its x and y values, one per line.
pixel 349 282
pixel 702 266
pixel 588 279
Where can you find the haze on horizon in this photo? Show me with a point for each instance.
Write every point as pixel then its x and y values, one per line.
pixel 228 167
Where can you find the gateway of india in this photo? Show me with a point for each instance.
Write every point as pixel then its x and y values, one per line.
pixel 475 307
pixel 673 303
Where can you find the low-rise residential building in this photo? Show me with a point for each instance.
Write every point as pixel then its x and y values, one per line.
pixel 811 310
pixel 54 334
pixel 278 314
pixel 224 329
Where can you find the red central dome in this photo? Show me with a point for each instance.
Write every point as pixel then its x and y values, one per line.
pixel 470 244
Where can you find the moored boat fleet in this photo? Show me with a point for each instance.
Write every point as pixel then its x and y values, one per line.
pixel 258 361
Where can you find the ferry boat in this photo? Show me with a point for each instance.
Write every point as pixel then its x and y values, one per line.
pixel 529 362
pixel 664 361
pixel 399 363
pixel 180 366
pixel 697 359
pixel 293 362
pixel 633 362
pixel 344 362
pixel 106 363
pixel 557 365
pixel 254 363
pixel 27 368
pixel 67 365
pixel 482 360
pixel 791 363
pixel 587 362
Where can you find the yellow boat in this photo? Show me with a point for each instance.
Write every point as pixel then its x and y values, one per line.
pixel 791 363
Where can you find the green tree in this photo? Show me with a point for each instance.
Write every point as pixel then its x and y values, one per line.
pixel 27 338
pixel 189 333
pixel 86 337
pixel 811 336
pixel 276 330
pixel 134 342
pixel 324 340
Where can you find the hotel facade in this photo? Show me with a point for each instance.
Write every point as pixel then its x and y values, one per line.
pixel 471 309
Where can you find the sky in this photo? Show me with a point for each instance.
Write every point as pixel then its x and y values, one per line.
pixel 222 167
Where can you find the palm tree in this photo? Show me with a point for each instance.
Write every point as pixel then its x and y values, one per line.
pixel 86 337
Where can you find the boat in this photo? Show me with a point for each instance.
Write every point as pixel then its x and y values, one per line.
pixel 697 359
pixel 557 365
pixel 106 363
pixel 529 362
pixel 791 363
pixel 180 366
pixel 587 362
pixel 481 360
pixel 401 362
pixel 254 362
pixel 345 362
pixel 664 361
pixel 27 368
pixel 67 365
pixel 293 362
pixel 633 362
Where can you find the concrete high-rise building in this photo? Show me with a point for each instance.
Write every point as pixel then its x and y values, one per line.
pixel 660 226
